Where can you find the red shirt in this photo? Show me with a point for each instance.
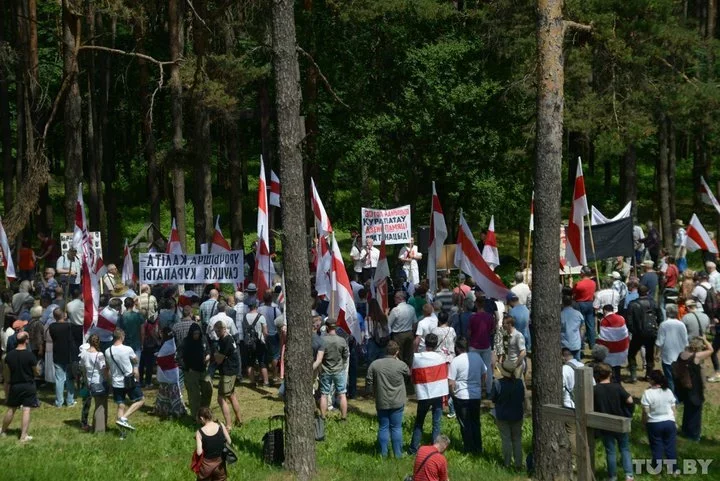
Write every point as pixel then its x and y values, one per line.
pixel 671 276
pixel 584 290
pixel 434 469
pixel 480 328
pixel 26 260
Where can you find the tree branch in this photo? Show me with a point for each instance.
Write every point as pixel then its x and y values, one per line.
pixel 323 78
pixel 570 25
pixel 682 74
pixel 192 7
pixel 129 54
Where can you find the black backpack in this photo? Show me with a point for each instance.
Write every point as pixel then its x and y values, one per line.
pixel 710 304
pixel 250 335
pixel 650 321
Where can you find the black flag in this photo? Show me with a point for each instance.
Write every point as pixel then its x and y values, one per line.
pixel 611 240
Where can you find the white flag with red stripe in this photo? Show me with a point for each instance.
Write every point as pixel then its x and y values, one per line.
pixel 698 237
pixel 218 244
pixel 438 234
pixel 382 272
pixel 575 253
pixel 430 375
pixel 469 260
pixel 706 195
pixel 343 308
pixel 274 189
pixel 323 268
pixel 6 255
pixel 89 264
pixel 490 250
pixel 174 246
pixel 532 212
pixel 322 221
pixel 615 336
pixel 106 323
pixel 128 270
pixel 264 269
pixel 167 366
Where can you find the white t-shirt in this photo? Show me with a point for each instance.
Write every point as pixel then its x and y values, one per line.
pixel 425 327
pixel 568 374
pixel 119 358
pixel 467 370
pixel 357 261
pixel 229 323
pixel 250 318
pixel 93 363
pixel 658 404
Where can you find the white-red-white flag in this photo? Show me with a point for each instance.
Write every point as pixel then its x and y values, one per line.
pixel 323 268
pixel 438 234
pixel 106 323
pixel 575 253
pixel 706 195
pixel 382 272
pixel 698 237
pixel 274 189
pixel 490 250
pixel 219 244
pixel 264 269
pixel 469 260
pixel 89 264
pixel 167 366
pixel 174 246
pixel 6 255
pixel 532 212
pixel 343 307
pixel 322 221
pixel 128 270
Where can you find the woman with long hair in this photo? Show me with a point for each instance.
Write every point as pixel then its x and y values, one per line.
pixel 196 356
pixel 210 440
pixel 92 362
pixel 378 331
pixel 692 392
pixel 658 403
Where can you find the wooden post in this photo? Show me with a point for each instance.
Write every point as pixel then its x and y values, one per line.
pixel 586 421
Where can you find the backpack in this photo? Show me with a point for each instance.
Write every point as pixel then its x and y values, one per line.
pixel 681 372
pixel 710 304
pixel 650 321
pixel 381 335
pixel 250 334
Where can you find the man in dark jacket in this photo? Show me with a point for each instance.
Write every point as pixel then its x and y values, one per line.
pixel 643 317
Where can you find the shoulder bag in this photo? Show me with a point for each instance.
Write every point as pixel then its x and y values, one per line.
pixel 411 477
pixel 129 381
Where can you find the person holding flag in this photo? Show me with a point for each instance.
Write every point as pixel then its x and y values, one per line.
pixel 438 234
pixel 409 256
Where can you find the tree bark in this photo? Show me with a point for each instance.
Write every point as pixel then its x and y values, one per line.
pixel 698 167
pixel 711 17
pixel 5 129
pixel 232 146
pixel 299 409
pixel 265 129
pixel 107 168
pixel 629 168
pixel 72 113
pixel 672 168
pixel 663 185
pixel 175 27
pixel 550 442
pixel 92 152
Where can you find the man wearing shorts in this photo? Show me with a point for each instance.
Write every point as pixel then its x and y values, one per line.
pixel 227 359
pixel 253 348
pixel 23 367
pixel 121 362
pixel 332 356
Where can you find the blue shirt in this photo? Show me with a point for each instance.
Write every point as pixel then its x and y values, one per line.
pixel 521 315
pixel 631 296
pixel 570 322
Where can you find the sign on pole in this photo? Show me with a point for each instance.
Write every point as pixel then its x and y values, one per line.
pixel 66 242
pixel 398 228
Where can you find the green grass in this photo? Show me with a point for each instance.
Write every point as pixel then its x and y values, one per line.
pixel 161 450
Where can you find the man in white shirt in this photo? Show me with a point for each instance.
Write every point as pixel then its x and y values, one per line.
pixel 221 316
pixel 680 238
pixel 355 256
pixel 703 288
pixel 606 296
pixel 409 256
pixel 696 321
pixel 521 289
pixel 713 275
pixel 466 376
pixel 671 339
pixel 68 268
pixel 75 309
pixel 568 375
pixel 425 327
pixel 121 362
pixel 369 256
pixel 400 321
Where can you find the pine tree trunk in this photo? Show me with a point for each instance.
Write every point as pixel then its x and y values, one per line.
pixel 663 185
pixel 550 442
pixel 5 129
pixel 232 142
pixel 712 6
pixel 630 181
pixel 672 167
pixel 698 168
pixel 299 409
pixel 265 129
pixel 72 117
pixel 175 27
pixel 107 168
pixel 92 152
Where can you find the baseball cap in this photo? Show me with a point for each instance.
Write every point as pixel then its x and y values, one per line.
pixel 511 296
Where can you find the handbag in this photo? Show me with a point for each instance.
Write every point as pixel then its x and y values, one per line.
pixel 129 381
pixel 228 454
pixel 196 462
pixel 411 477
pixel 319 428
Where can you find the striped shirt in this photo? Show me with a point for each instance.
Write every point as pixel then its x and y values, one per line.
pixel 430 375
pixel 614 335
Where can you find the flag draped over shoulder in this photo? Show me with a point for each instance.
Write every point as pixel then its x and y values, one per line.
pixel 698 237
pixel 469 260
pixel 6 255
pixel 615 336
pixel 438 234
pixel 167 366
pixel 575 253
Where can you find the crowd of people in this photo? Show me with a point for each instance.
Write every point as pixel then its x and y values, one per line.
pixel 451 348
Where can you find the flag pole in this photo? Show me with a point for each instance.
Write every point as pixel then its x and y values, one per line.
pixel 527 263
pixel 332 291
pixel 592 245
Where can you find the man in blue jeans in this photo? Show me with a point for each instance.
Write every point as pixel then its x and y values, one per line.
pixel 429 375
pixel 386 379
pixel 584 295
pixel 65 352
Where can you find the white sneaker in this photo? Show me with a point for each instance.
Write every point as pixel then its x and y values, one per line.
pixel 714 378
pixel 123 422
pixel 26 439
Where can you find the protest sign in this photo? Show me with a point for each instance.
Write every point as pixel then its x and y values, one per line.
pixel 66 242
pixel 397 224
pixel 225 268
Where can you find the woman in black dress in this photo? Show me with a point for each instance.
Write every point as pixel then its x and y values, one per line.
pixel 210 440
